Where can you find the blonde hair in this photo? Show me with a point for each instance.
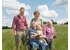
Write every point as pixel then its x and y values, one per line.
pixel 49 22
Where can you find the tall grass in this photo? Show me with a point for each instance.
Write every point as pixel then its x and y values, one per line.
pixel 59 43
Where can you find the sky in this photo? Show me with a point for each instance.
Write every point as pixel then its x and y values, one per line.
pixel 56 10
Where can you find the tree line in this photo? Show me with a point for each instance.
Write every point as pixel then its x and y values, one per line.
pixel 7 27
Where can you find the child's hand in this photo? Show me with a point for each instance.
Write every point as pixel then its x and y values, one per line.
pixel 54 37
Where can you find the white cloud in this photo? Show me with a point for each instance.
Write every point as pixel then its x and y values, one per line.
pixel 6 21
pixel 62 21
pixel 15 12
pixel 60 2
pixel 12 6
pixel 44 10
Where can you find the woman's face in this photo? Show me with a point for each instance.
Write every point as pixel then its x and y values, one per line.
pixel 37 15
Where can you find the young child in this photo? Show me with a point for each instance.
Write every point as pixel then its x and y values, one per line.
pixel 50 33
pixel 40 35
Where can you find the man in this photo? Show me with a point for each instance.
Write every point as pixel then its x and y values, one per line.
pixel 19 26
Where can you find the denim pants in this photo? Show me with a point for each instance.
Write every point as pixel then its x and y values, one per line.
pixel 36 45
pixel 43 46
pixel 49 42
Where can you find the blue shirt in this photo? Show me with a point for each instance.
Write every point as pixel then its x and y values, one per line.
pixel 32 32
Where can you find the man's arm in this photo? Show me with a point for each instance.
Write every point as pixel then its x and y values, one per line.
pixel 14 26
pixel 26 25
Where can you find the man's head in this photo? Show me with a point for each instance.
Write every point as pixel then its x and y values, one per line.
pixel 22 10
pixel 36 14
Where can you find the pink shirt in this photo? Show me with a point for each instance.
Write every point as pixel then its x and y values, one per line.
pixel 49 32
pixel 19 23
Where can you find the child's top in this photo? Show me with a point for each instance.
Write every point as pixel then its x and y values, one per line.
pixel 49 32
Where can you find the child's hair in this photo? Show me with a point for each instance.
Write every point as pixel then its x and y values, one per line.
pixel 49 22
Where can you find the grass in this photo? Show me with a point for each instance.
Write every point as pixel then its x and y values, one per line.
pixel 59 43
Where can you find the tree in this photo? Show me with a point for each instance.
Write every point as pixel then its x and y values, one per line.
pixel 6 27
pixel 54 22
pixel 66 23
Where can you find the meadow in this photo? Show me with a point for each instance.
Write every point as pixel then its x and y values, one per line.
pixel 59 43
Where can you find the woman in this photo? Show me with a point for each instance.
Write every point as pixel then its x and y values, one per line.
pixel 38 21
pixel 37 18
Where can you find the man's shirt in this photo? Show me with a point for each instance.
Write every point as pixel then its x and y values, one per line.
pixel 19 23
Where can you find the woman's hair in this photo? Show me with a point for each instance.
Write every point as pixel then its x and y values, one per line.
pixel 36 12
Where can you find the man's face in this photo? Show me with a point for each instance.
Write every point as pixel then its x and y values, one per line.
pixel 22 11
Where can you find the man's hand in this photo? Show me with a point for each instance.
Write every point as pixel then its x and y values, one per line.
pixel 25 28
pixel 14 32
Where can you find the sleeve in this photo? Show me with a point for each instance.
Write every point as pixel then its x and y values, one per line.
pixel 30 32
pixel 41 22
pixel 14 23
pixel 44 30
pixel 54 32
pixel 31 22
pixel 25 22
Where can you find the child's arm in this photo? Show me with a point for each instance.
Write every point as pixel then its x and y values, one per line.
pixel 54 33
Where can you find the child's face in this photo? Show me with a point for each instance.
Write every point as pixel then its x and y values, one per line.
pixel 49 24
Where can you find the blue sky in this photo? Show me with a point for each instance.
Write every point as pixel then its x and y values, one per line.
pixel 49 9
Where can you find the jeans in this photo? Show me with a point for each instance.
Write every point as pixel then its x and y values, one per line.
pixel 36 45
pixel 49 42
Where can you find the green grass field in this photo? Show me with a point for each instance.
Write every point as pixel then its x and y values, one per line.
pixel 59 43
